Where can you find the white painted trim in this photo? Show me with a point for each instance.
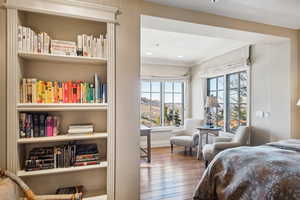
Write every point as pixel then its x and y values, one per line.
pixel 67 8
pixel 111 115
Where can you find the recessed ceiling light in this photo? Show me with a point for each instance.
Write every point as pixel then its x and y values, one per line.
pixel 214 1
pixel 149 53
pixel 179 56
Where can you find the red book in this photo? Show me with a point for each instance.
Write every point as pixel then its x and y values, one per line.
pixel 74 93
pixel 78 92
pixel 65 93
pixel 70 95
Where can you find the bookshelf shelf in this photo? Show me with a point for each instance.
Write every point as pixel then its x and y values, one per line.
pixel 62 138
pixel 24 173
pixel 95 196
pixel 61 58
pixel 61 107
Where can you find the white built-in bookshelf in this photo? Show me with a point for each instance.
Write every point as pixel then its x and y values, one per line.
pixel 62 20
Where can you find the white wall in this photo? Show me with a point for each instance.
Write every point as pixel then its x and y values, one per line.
pixel 271 92
pixel 270 88
pixel 163 70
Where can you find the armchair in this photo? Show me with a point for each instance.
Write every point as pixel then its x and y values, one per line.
pixel 188 136
pixel 240 138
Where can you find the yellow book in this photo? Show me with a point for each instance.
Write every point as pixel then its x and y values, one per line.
pixel 49 92
pixel 55 92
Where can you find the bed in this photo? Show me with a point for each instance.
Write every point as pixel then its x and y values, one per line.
pixel 270 172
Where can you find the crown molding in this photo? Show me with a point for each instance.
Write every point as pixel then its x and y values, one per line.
pixel 67 8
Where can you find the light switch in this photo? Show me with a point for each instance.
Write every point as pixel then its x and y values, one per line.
pixel 259 114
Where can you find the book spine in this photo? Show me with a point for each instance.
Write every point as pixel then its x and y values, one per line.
pixel 85 46
pixel 60 92
pixel 46 43
pixel 29 91
pixel 39 43
pixel 31 40
pixel 92 93
pixel 20 38
pixel 22 125
pixel 66 92
pixel 27 39
pixel 36 128
pixel 105 48
pixel 49 126
pixel 78 89
pixel 104 92
pixel 79 45
pixel 35 43
pixel 24 47
pixel 74 93
pixel 42 42
pixel 56 125
pixel 24 91
pixel 70 92
pixel 34 90
pixel 42 118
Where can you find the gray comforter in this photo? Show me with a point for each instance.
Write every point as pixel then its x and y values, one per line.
pixel 268 172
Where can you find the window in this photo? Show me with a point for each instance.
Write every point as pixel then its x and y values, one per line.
pixel 162 103
pixel 216 89
pixel 237 100
pixel 232 97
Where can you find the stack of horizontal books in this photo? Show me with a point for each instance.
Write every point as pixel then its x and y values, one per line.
pixel 81 129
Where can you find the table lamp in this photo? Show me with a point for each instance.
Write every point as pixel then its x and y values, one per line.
pixel 211 103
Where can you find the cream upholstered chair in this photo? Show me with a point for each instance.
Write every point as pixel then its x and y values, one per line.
pixel 240 138
pixel 188 136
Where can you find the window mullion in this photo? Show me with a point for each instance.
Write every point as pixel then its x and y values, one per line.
pixel 162 107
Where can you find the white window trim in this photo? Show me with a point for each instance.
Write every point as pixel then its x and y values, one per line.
pixel 186 96
pixel 247 69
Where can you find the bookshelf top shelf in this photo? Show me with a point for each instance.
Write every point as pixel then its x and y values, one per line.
pixel 61 58
pixel 23 173
pixel 62 138
pixel 61 107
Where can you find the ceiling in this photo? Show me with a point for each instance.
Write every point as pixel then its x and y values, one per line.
pixel 181 49
pixel 284 13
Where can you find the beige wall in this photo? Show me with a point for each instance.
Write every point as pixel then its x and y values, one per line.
pixel 127 168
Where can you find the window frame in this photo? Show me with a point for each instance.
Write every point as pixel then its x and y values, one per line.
pixel 162 98
pixel 217 91
pixel 226 105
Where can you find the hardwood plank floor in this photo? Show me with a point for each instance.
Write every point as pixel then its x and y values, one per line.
pixel 170 176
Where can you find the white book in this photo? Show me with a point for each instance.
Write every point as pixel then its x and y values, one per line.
pixel 95 47
pixel 98 47
pixel 35 43
pixel 20 31
pixel 89 40
pixel 27 39
pixel 46 43
pixel 104 48
pixel 31 40
pixel 84 45
pixel 79 42
pixel 23 38
pixel 42 42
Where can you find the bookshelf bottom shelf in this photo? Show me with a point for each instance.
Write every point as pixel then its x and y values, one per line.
pixel 24 173
pixel 97 197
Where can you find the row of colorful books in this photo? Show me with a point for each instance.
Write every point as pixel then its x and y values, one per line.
pixel 63 156
pixel 87 45
pixel 39 91
pixel 38 125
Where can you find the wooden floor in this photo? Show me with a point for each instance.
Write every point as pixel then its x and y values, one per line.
pixel 170 175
